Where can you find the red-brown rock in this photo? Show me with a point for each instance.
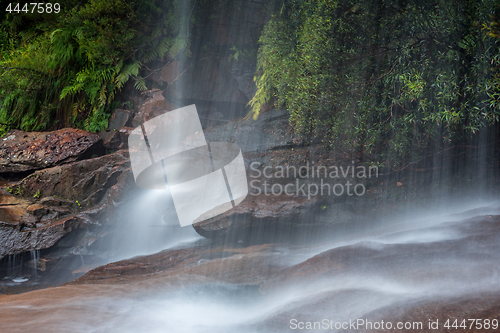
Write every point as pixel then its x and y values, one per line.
pixel 22 151
pixel 84 181
pixel 153 106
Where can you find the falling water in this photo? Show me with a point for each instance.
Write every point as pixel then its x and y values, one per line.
pixel 147 226
pixel 372 269
pixel 34 262
pixel 374 278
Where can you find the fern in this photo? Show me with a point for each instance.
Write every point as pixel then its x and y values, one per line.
pixel 69 70
pixel 140 84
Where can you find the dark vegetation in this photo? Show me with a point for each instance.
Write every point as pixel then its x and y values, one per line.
pixel 391 80
pixel 66 69
pixel 388 79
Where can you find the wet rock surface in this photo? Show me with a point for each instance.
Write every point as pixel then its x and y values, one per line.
pixel 276 159
pixel 251 265
pixel 31 235
pixel 154 105
pixel 115 137
pixel 269 131
pixel 48 204
pixel 404 273
pixel 264 218
pixel 406 261
pixel 394 279
pixel 84 181
pixel 26 151
pixel 432 316
pixel 208 83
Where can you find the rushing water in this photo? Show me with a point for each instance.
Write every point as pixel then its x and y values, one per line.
pixel 147 226
pixel 391 263
pixel 424 258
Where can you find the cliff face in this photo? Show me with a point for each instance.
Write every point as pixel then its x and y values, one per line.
pixel 69 191
pixel 63 188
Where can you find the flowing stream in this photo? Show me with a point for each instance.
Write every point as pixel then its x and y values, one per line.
pixel 429 257
pixel 378 269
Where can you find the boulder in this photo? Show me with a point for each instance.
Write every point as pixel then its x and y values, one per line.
pixel 119 140
pixel 84 182
pixel 124 183
pixel 22 151
pixel 27 224
pixel 112 137
pixel 268 145
pixel 23 236
pixel 50 203
pixel 154 105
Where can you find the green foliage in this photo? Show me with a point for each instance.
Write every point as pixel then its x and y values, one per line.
pixel 37 194
pixel 493 31
pixel 19 191
pixel 390 78
pixel 66 69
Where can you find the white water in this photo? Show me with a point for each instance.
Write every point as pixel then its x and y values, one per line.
pixel 149 225
pixel 364 286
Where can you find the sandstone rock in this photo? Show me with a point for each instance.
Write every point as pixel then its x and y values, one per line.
pixel 153 106
pixel 13 209
pixel 364 279
pixel 247 266
pixel 74 195
pixel 57 202
pixel 44 213
pixel 404 260
pixel 275 218
pixel 124 183
pixel 85 182
pixel 119 139
pixel 111 137
pixel 268 143
pixel 271 130
pixel 23 236
pixel 22 151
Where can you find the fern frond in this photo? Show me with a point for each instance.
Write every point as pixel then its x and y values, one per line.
pixel 140 84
